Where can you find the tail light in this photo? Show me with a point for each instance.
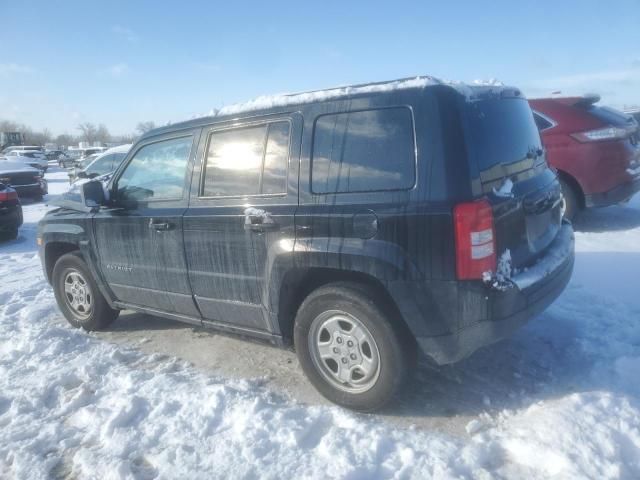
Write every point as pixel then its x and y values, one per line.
pixel 609 133
pixel 475 240
pixel 8 194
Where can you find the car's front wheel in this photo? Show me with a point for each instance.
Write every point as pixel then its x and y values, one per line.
pixel 349 349
pixel 78 296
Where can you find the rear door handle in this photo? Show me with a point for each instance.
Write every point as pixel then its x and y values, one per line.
pixel 258 220
pixel 160 226
pixel 261 227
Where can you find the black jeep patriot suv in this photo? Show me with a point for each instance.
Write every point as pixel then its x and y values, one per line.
pixel 359 223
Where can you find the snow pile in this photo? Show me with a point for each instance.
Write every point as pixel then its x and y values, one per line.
pixel 505 190
pixel 75 406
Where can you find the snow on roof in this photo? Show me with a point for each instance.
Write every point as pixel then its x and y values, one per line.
pixel 282 100
pixel 263 102
pixel 285 99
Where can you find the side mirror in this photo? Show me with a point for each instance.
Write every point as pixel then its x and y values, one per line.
pixel 81 174
pixel 93 194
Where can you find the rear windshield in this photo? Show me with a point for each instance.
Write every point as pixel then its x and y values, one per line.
pixel 611 116
pixel 500 131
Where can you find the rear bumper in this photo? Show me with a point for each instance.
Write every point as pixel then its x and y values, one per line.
pixel 505 311
pixel 30 190
pixel 616 195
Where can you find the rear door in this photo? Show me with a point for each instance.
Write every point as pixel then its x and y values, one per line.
pixel 508 166
pixel 243 201
pixel 139 240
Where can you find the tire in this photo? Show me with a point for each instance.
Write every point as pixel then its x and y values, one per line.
pixel 378 364
pixel 571 204
pixel 9 235
pixel 93 311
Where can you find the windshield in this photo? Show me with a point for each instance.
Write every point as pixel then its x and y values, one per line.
pixel 85 162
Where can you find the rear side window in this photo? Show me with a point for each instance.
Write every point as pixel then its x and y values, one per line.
pixel 365 151
pixel 247 161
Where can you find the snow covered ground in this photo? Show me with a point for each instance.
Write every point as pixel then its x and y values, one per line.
pixel 560 399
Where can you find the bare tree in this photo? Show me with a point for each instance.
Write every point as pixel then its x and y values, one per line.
pixel 89 132
pixel 144 127
pixel 65 140
pixel 37 138
pixel 102 134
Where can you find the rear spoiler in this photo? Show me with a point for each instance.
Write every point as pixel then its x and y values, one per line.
pixel 584 101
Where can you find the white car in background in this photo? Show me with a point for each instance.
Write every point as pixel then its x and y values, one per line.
pixel 28 157
pixel 101 164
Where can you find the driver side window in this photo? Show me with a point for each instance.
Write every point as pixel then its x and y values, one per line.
pixel 157 171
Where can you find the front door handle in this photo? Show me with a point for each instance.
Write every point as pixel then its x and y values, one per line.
pixel 160 226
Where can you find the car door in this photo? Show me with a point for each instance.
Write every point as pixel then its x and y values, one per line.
pixel 243 199
pixel 139 239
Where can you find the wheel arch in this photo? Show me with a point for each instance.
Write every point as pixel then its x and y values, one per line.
pixel 53 251
pixel 575 185
pixel 297 284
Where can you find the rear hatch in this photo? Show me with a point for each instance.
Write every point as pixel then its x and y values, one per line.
pixel 509 168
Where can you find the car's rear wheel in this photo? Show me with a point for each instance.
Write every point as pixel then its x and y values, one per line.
pixel 9 234
pixel 570 204
pixel 348 348
pixel 78 296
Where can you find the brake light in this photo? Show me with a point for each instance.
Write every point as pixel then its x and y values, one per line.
pixel 475 239
pixel 609 133
pixel 8 195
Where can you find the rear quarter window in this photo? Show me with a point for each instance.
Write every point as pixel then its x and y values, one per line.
pixel 363 151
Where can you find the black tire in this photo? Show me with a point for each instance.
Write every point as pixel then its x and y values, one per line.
pixel 100 315
pixel 395 348
pixel 571 203
pixel 9 235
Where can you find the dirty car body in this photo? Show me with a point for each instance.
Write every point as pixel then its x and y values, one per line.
pixel 255 210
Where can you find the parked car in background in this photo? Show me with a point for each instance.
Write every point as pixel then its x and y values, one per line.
pixel 99 164
pixel 359 223
pixel 26 180
pixel 33 148
pixel 30 157
pixel 65 160
pixel 10 213
pixel 595 149
pixel 79 154
pixel 53 154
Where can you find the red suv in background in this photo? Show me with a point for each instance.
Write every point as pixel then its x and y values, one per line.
pixel 596 150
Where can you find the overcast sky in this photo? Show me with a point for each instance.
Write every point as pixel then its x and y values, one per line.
pixel 121 62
